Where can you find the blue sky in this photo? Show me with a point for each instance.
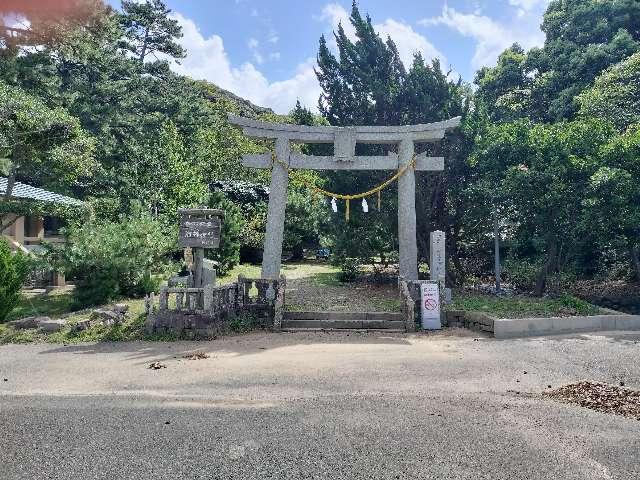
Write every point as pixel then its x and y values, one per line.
pixel 264 50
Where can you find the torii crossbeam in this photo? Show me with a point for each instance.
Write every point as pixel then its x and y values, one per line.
pixel 344 140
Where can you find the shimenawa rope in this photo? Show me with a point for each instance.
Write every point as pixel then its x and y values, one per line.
pixel 378 189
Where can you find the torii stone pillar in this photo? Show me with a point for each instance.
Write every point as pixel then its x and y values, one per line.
pixel 272 254
pixel 407 247
pixel 344 140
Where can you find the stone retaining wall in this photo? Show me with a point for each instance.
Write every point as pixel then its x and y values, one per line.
pixel 526 327
pixel 472 320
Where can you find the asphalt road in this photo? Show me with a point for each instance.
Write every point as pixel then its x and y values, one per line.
pixel 320 406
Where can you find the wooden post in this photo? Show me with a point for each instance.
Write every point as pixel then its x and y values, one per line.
pixel 198 257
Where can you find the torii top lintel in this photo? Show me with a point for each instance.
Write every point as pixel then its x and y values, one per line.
pixel 344 140
pixel 427 132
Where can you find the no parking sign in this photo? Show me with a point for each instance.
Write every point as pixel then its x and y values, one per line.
pixel 430 306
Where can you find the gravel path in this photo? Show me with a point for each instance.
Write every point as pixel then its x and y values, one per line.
pixel 306 294
pixel 317 406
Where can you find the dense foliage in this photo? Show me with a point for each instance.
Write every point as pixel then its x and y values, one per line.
pixel 615 95
pixel 14 269
pixel 109 260
pixel 583 38
pixel 228 255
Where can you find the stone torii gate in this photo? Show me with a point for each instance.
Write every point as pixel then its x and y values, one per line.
pixel 344 140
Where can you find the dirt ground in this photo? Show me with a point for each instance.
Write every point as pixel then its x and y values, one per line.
pixel 304 294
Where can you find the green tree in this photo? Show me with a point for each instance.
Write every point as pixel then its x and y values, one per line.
pixel 44 146
pixel 583 38
pixel 117 259
pixel 361 88
pixel 162 177
pixel 149 29
pixel 14 268
pixel 505 88
pixel 367 84
pixel 615 96
pixel 613 195
pixel 233 223
pixel 541 174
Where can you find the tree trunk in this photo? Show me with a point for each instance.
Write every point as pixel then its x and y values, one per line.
pixel 635 260
pixel 541 278
pixel 11 181
pixel 384 260
pixel 496 248
pixel 143 52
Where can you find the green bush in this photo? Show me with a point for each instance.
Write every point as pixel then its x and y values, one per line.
pixel 521 274
pixel 349 269
pixel 228 255
pixel 14 268
pixel 109 260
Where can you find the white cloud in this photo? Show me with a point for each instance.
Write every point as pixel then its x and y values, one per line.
pixel 524 7
pixel 491 37
pixel 253 45
pixel 404 36
pixel 208 60
pixel 337 15
pixel 529 5
pixel 409 42
pixel 273 36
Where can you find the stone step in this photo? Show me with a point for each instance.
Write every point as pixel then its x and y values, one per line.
pixel 350 330
pixel 333 324
pixel 345 316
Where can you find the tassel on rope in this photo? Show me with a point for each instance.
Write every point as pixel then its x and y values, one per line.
pixel 346 213
pixel 379 199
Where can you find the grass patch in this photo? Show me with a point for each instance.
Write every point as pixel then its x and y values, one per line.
pixel 323 273
pixel 51 304
pixel 387 304
pixel 326 279
pixel 131 329
pixel 246 269
pixel 521 307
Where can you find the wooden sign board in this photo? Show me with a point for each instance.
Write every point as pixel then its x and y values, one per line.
pixel 200 228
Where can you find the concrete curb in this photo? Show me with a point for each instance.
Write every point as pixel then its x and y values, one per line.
pixel 528 327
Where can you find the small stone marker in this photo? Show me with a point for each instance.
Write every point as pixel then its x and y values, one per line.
pixel 437 257
pixel 208 272
pixel 430 306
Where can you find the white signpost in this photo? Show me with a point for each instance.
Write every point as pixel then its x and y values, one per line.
pixel 430 306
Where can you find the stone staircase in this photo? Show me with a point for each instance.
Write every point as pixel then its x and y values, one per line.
pixel 309 321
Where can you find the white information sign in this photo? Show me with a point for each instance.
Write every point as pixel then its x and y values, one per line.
pixel 430 306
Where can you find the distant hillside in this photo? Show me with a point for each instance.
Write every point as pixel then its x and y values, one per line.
pixel 231 102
